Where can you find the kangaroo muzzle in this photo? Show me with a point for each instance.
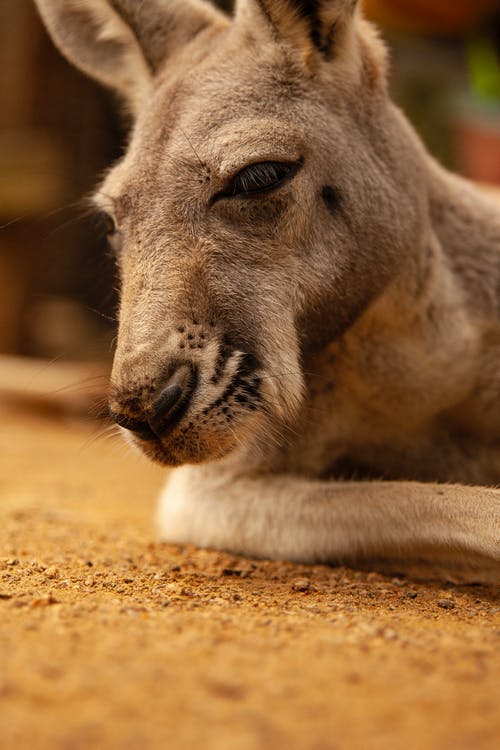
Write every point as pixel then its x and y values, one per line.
pixel 158 419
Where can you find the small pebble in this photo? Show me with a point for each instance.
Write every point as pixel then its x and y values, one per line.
pixel 301 584
pixel 389 634
pixel 446 604
pixel 44 601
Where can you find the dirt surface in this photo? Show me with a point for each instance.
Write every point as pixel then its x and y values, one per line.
pixel 110 640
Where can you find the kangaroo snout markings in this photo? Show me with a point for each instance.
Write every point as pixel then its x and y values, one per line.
pixel 224 385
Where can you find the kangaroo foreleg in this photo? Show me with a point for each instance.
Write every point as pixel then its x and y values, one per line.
pixel 291 518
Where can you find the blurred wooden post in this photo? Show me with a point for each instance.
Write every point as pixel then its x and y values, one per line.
pixel 24 156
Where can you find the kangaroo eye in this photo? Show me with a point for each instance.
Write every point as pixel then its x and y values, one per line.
pixel 106 223
pixel 110 231
pixel 260 178
pixel 109 225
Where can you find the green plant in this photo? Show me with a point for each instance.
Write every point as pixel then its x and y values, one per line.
pixel 484 68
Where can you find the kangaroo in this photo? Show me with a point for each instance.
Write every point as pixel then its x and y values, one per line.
pixel 309 319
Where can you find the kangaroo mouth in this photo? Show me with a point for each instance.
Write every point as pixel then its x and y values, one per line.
pixel 207 423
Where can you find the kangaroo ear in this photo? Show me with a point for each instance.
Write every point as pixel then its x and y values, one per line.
pixel 123 43
pixel 314 25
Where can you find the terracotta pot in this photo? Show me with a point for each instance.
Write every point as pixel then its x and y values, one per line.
pixel 432 16
pixel 478 145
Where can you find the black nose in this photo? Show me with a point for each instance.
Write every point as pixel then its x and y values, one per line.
pixel 173 401
pixel 168 409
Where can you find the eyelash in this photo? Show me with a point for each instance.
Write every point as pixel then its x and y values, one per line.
pixel 259 178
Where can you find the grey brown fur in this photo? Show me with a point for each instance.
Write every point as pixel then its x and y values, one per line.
pixel 365 291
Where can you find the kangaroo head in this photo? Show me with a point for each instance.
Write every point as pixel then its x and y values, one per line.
pixel 254 213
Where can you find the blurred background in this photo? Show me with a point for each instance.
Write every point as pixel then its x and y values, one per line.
pixel 59 131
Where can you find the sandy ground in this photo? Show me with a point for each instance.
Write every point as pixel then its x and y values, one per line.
pixel 111 640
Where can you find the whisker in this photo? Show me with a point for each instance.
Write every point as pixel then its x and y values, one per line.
pixel 85 212
pixel 105 434
pixel 42 369
pixel 45 216
pixel 101 314
pixel 191 146
pixel 12 222
pixel 236 436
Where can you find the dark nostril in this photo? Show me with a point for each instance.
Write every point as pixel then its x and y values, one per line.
pixel 168 409
pixel 168 399
pixel 139 428
pixel 173 401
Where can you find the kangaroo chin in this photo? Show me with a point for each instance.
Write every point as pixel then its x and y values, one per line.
pixel 307 298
